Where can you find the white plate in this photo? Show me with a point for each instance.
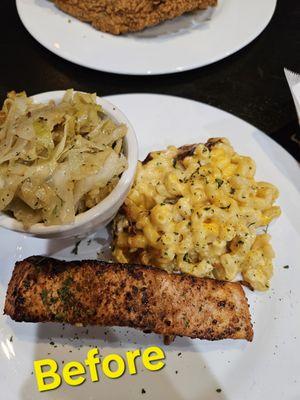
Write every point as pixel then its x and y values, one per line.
pixel 267 368
pixel 191 41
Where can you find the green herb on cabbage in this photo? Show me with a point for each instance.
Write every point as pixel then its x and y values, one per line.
pixel 57 160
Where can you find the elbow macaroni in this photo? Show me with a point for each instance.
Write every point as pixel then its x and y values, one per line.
pixel 196 210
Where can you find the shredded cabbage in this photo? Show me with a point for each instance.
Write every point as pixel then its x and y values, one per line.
pixel 57 160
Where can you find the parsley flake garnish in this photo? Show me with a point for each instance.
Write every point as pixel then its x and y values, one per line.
pixel 219 182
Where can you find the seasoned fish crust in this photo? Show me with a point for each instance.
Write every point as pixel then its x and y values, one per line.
pixel 122 16
pixel 99 293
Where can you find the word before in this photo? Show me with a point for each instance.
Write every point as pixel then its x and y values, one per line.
pixel 113 366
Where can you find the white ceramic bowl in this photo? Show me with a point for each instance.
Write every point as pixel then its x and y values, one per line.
pixel 100 215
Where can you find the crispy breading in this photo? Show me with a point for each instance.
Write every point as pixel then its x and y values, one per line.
pixel 122 16
pixel 99 293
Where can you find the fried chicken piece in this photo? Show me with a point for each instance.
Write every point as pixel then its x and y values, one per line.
pixel 99 293
pixel 122 16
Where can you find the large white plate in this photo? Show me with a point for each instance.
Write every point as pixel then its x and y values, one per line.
pixel 267 368
pixel 188 42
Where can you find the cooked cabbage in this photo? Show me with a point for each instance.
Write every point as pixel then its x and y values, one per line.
pixel 57 160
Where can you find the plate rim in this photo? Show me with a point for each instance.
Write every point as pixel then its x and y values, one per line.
pixel 132 71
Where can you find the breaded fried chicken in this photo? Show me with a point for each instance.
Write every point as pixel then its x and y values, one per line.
pixel 122 16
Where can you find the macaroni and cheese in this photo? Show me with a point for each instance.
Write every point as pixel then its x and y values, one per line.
pixel 196 209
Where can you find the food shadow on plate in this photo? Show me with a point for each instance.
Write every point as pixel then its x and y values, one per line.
pixel 105 336
pixel 95 246
pixel 177 26
pixel 114 337
pixel 50 5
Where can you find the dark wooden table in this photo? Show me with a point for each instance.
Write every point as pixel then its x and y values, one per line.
pixel 249 84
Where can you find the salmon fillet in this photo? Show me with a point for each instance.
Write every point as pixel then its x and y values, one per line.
pixel 99 293
pixel 122 16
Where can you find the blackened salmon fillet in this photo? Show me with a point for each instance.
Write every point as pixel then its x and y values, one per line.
pixel 93 292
